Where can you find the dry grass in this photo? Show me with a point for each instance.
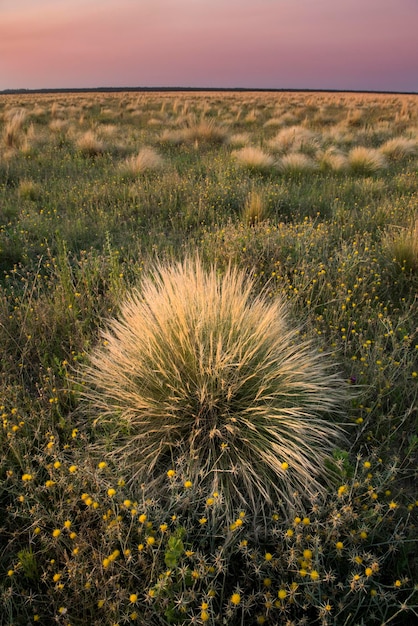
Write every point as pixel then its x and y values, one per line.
pixel 203 131
pixel 255 208
pixel 254 159
pixel 239 140
pixel 147 160
pixel 196 370
pixel 399 148
pixel 89 144
pixel 295 138
pixel 29 190
pixel 14 121
pixel 333 160
pixel 402 246
pixel 363 160
pixel 296 162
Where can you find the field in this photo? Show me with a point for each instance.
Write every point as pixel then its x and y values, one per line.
pixel 313 199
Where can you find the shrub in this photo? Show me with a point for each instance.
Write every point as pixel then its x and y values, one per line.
pixel 197 370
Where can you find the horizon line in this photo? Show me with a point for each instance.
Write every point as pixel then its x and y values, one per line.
pixel 24 90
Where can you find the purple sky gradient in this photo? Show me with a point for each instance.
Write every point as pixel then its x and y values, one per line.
pixel 295 44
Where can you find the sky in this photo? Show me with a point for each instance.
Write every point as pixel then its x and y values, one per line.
pixel 272 44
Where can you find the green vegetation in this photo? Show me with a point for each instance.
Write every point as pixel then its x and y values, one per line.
pixel 309 203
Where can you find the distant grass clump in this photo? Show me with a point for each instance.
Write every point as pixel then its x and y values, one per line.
pixel 195 368
pixel 399 148
pixel 296 162
pixel 332 160
pixel 89 144
pixel 29 190
pixel 203 131
pixel 14 120
pixel 295 138
pixel 363 160
pixel 147 160
pixel 255 208
pixel 254 159
pixel 402 246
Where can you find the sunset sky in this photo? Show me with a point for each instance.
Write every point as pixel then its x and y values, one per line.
pixel 295 44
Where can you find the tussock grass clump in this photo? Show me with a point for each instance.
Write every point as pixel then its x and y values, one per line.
pixel 254 159
pixel 89 144
pixel 296 162
pixel 255 208
pixel 332 160
pixel 295 138
pixel 399 148
pixel 146 160
pixel 203 131
pixel 197 369
pixel 402 246
pixel 239 140
pixel 29 190
pixel 363 160
pixel 207 131
pixel 14 121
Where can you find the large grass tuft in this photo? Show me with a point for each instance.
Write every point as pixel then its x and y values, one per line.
pixel 197 368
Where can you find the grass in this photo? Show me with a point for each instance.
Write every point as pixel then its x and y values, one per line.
pixel 196 369
pixel 254 159
pixel 328 252
pixel 146 160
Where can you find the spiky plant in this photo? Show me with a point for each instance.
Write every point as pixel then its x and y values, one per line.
pixel 197 368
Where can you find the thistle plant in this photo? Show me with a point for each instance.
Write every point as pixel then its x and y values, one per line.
pixel 197 368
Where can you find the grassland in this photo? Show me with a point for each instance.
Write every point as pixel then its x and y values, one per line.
pixel 314 194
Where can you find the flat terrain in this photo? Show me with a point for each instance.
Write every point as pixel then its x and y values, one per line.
pixel 313 194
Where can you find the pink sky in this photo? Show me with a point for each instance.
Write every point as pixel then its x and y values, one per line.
pixel 312 44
